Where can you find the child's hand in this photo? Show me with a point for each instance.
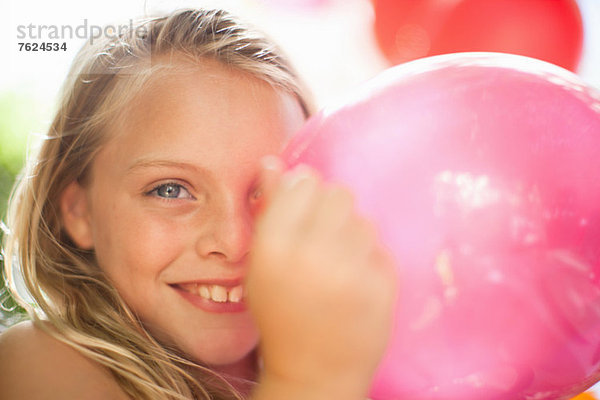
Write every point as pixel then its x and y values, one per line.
pixel 320 287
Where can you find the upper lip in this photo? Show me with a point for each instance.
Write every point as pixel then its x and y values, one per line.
pixel 232 282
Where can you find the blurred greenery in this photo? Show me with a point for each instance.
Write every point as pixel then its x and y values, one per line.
pixel 19 116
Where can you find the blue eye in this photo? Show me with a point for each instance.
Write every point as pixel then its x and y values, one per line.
pixel 171 191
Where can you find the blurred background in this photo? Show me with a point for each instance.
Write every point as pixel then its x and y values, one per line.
pixel 334 44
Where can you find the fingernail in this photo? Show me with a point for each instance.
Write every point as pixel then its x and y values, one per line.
pixel 299 173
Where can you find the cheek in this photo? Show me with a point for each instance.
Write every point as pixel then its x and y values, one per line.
pixel 133 245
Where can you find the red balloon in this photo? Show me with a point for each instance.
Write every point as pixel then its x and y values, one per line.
pixel 482 173
pixel 549 30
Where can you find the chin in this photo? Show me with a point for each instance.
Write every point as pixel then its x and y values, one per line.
pixel 224 351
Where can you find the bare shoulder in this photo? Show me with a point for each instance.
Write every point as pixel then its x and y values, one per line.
pixel 34 365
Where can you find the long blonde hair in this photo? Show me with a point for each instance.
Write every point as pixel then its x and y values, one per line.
pixel 70 291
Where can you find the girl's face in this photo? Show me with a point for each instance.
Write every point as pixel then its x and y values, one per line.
pixel 171 205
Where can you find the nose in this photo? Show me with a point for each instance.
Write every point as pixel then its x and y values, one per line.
pixel 227 232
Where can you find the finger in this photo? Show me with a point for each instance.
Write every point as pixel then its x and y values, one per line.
pixel 333 211
pixel 361 238
pixel 296 196
pixel 291 201
pixel 386 267
pixel 270 175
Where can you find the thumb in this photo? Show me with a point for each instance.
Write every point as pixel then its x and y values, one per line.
pixel 272 169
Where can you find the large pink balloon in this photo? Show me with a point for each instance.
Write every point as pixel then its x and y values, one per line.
pixel 482 172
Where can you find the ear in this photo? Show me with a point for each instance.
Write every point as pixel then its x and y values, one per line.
pixel 75 215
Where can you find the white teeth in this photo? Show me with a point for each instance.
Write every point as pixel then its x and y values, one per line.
pixel 235 294
pixel 204 292
pixel 218 293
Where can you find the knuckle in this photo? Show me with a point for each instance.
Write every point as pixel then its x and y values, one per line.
pixel 342 192
pixel 341 196
pixel 310 254
pixel 364 232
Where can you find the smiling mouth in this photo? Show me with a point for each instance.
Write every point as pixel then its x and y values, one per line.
pixel 215 293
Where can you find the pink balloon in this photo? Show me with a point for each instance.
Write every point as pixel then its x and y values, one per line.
pixel 482 173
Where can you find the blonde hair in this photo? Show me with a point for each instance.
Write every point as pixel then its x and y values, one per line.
pixel 70 290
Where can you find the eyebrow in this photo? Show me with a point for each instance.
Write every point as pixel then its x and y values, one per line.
pixel 155 163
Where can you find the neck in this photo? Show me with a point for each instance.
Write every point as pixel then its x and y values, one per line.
pixel 245 369
pixel 242 375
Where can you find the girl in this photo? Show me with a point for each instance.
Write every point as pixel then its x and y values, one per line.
pixel 159 251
